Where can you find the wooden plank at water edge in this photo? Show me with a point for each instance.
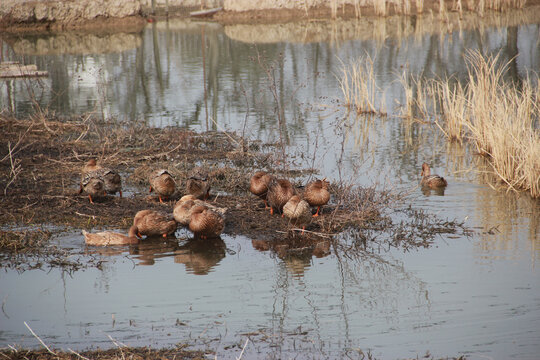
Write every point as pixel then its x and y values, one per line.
pixel 15 70
pixel 205 13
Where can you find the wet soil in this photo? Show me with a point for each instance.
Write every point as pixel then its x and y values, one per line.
pixel 41 165
pixel 111 354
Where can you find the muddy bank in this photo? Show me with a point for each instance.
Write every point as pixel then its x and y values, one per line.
pixel 55 15
pixel 40 176
pixel 112 354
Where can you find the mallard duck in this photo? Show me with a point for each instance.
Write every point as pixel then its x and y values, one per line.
pixel 431 181
pixel 182 209
pixel 162 183
pixel 92 184
pixel 111 178
pixel 298 211
pixel 151 222
pixel 279 192
pixel 198 185
pixel 105 238
pixel 258 185
pixel 317 194
pixel 205 223
pixel 91 165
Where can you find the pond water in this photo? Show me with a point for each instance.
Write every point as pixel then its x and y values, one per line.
pixel 477 295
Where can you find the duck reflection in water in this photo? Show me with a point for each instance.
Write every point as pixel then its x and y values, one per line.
pixel 296 255
pixel 153 248
pixel 429 191
pixel 200 257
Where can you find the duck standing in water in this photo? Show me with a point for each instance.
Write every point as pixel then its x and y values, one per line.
pixel 431 181
pixel 111 179
pixel 298 211
pixel 105 238
pixel 258 185
pixel 198 185
pixel 152 223
pixel 317 194
pixel 279 192
pixel 162 183
pixel 206 223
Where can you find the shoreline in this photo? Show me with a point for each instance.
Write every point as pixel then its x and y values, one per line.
pixel 10 22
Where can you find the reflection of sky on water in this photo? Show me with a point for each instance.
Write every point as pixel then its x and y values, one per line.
pixel 476 296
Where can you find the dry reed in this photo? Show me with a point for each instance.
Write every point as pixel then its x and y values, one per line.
pixel 359 87
pixel 500 118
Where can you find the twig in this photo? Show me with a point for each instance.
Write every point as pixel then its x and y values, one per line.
pixel 329 236
pixel 79 355
pixel 90 216
pixel 244 348
pixel 4 303
pixel 37 337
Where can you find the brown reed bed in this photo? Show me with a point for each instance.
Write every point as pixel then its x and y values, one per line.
pixel 500 118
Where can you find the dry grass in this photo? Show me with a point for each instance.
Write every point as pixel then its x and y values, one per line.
pixel 500 118
pixel 359 87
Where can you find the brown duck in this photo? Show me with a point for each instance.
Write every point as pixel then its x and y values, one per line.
pixel 111 179
pixel 105 238
pixel 93 185
pixel 206 223
pixel 317 194
pixel 258 185
pixel 431 181
pixel 198 185
pixel 183 207
pixel 298 211
pixel 279 192
pixel 162 183
pixel 151 223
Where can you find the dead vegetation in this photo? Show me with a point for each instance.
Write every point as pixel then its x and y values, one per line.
pixel 124 353
pixel 40 173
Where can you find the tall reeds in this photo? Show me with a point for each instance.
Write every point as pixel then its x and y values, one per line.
pixel 359 87
pixel 500 118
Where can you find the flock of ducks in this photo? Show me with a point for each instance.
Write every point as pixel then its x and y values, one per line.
pixel 280 196
pixel 201 217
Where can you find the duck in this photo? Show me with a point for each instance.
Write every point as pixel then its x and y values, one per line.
pixel 93 185
pixel 198 185
pixel 298 211
pixel 182 209
pixel 162 183
pixel 89 166
pixel 279 192
pixel 258 185
pixel 316 194
pixel 151 222
pixel 431 181
pixel 105 238
pixel 206 223
pixel 111 178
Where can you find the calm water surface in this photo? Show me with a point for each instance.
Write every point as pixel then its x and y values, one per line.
pixel 478 296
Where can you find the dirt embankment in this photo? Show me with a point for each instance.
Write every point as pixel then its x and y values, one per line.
pixel 22 15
